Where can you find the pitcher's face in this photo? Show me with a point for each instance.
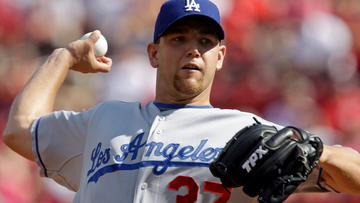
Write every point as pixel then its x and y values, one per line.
pixel 187 57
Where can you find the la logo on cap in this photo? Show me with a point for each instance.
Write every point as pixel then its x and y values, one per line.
pixel 193 6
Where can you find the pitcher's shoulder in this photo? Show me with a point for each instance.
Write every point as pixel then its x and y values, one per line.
pixel 116 104
pixel 246 117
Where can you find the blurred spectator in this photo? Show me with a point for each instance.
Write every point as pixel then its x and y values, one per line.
pixel 297 103
pixel 12 21
pixel 132 78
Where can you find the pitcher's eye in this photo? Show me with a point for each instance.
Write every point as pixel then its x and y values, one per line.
pixel 206 41
pixel 179 39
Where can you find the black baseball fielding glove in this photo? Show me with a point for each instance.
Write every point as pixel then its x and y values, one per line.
pixel 268 163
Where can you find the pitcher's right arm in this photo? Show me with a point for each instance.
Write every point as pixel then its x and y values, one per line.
pixel 38 95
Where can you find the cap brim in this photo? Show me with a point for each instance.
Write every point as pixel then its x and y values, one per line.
pixel 198 17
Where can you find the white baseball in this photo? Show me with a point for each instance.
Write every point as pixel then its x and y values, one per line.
pixel 100 47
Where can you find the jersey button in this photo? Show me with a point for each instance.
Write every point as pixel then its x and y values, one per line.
pixel 158 131
pixel 144 186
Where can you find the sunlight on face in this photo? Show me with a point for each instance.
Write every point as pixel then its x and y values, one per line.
pixel 188 87
pixel 189 56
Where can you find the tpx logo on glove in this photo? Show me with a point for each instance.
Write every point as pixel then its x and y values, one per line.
pixel 257 155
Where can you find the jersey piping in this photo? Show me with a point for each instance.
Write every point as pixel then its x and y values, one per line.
pixel 37 146
pixel 164 106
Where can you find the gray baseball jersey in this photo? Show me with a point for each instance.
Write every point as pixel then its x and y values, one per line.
pixel 122 152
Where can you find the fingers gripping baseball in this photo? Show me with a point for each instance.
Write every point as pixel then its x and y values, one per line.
pixel 266 162
pixel 84 59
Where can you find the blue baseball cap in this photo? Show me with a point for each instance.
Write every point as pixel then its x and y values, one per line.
pixel 174 10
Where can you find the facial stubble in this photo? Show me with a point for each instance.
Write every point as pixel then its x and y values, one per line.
pixel 188 87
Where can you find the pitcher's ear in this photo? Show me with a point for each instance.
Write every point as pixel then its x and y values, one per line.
pixel 221 56
pixel 152 50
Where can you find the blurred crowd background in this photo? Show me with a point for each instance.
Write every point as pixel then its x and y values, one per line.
pixel 293 62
